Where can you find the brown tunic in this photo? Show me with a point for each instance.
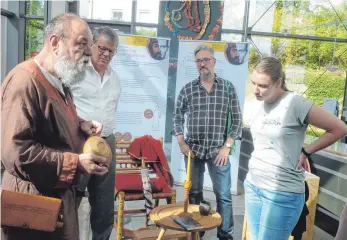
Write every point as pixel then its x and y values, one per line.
pixel 41 140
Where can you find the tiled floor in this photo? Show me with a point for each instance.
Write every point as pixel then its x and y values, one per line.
pixel 137 221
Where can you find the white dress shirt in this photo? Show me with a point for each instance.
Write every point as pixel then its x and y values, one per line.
pixel 97 99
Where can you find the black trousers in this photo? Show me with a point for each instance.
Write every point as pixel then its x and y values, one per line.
pixel 101 199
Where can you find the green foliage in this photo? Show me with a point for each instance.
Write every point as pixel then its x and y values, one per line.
pixel 330 85
pixel 34 8
pixel 34 28
pixel 33 36
pixel 253 59
pixel 297 17
pixel 148 32
pixel 315 132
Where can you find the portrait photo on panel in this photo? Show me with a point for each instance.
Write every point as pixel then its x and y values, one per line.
pixel 236 53
pixel 158 48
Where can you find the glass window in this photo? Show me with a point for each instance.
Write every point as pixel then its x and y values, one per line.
pixel 313 68
pixel 233 14
pixel 35 7
pixel 231 37
pixel 314 18
pixel 106 10
pixel 147 11
pixel 117 15
pixel 33 37
pixel 144 16
pixel 144 31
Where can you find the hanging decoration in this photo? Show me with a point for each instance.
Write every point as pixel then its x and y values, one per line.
pixel 173 18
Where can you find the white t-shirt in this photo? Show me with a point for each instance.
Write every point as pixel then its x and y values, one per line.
pixel 96 99
pixel 278 132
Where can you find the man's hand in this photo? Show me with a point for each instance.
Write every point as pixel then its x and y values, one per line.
pixel 222 157
pixel 91 128
pixel 92 164
pixel 302 160
pixel 185 150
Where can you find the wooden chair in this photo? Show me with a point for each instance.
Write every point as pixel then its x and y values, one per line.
pixel 124 164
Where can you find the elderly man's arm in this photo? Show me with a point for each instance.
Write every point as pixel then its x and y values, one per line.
pixel 22 122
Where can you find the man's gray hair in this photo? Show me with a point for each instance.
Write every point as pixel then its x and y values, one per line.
pixel 107 32
pixel 60 25
pixel 203 48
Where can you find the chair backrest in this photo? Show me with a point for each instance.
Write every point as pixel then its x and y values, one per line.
pixel 123 159
pixel 124 162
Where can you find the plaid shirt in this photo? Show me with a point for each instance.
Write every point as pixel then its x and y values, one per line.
pixel 207 115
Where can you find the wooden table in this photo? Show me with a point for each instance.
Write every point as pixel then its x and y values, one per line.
pixel 163 216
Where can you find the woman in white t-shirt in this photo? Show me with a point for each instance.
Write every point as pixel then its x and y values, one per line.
pixel 274 186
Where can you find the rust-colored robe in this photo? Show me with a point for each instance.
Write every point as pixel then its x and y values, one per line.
pixel 40 143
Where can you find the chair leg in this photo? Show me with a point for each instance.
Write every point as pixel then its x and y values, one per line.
pixel 173 199
pixel 121 197
pixel 156 204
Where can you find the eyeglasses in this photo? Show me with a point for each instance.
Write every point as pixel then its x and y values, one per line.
pixel 203 60
pixel 103 50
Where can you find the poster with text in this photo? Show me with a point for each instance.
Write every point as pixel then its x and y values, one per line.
pixel 231 65
pixel 141 64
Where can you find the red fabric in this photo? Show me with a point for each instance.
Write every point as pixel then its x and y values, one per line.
pixel 151 149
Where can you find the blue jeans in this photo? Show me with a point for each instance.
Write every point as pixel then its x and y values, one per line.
pixel 271 214
pixel 221 181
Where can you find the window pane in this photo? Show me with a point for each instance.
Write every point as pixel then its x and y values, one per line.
pixel 147 12
pixel 35 7
pixel 33 37
pixel 106 10
pixel 314 18
pixel 144 31
pixel 313 68
pixel 233 14
pixel 231 37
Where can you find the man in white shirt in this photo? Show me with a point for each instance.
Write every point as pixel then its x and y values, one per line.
pixel 96 97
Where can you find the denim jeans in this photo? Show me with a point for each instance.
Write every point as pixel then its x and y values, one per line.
pixel 271 214
pixel 101 199
pixel 221 181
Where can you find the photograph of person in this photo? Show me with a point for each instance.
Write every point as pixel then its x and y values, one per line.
pixel 236 53
pixel 158 48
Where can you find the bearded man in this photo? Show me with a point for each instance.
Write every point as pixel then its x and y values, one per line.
pixel 154 49
pixel 206 102
pixel 42 136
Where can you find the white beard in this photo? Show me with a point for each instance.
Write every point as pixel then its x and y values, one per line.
pixel 69 71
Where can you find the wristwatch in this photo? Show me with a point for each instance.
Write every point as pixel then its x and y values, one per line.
pixel 228 145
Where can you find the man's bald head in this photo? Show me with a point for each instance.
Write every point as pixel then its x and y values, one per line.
pixel 61 25
pixel 68 41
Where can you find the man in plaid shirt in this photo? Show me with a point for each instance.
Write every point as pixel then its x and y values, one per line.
pixel 206 102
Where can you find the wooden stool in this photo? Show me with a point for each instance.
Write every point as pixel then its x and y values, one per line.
pixel 163 217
